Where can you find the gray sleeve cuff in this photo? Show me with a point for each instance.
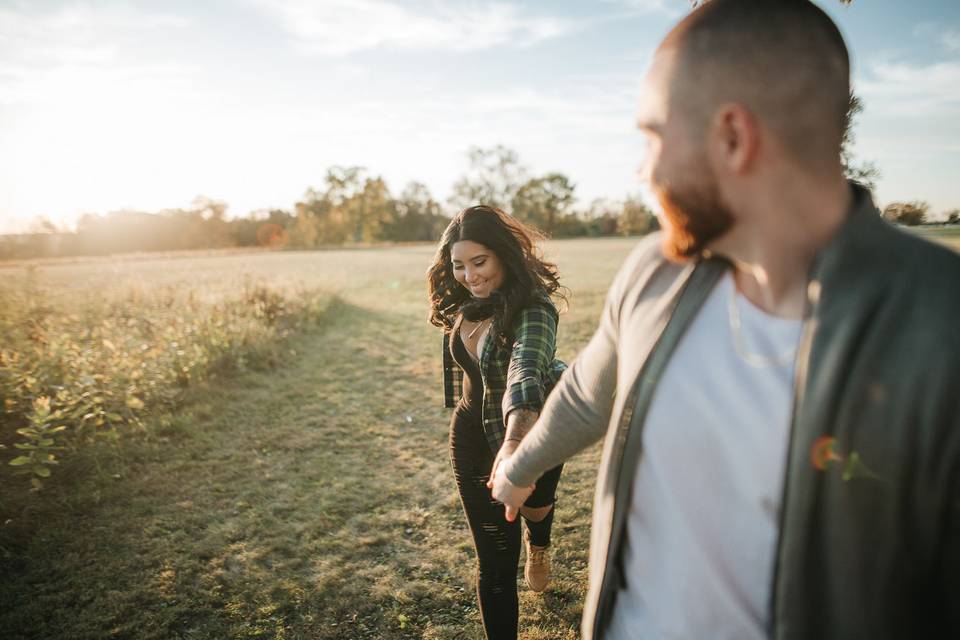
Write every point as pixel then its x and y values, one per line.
pixel 516 477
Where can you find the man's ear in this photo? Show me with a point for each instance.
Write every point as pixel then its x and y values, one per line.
pixel 734 138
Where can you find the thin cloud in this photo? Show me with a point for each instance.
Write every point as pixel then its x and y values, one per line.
pixel 343 27
pixel 79 30
pixel 509 111
pixel 902 89
pixel 592 112
pixel 948 38
pixel 666 7
pixel 40 51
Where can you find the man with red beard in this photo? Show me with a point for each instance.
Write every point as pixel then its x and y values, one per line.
pixel 776 374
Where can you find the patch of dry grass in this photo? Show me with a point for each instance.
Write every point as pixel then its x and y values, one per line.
pixel 948 236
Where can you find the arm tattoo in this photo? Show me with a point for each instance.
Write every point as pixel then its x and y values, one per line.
pixel 519 423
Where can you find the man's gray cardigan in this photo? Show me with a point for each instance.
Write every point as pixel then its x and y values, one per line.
pixel 869 543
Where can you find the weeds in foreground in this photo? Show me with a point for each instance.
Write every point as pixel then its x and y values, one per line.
pixel 78 367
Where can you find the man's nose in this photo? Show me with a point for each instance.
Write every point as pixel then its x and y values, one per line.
pixel 645 168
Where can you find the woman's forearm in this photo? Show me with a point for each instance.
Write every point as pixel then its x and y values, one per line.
pixel 519 423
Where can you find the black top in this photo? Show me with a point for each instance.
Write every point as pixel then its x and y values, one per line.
pixel 472 400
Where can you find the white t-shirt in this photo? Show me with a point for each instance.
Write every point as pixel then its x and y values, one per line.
pixel 703 521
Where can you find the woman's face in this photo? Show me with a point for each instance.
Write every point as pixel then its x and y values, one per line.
pixel 476 267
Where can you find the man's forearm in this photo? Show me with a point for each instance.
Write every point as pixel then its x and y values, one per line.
pixel 575 415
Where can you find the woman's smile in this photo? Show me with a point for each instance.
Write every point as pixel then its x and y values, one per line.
pixel 478 286
pixel 476 267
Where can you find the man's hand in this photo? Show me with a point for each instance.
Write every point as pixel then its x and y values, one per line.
pixel 502 489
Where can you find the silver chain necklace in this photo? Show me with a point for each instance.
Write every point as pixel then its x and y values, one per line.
pixel 479 324
pixel 740 345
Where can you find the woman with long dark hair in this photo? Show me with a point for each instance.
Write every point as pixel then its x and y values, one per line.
pixel 490 291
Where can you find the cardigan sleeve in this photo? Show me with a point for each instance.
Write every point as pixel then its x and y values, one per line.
pixel 577 412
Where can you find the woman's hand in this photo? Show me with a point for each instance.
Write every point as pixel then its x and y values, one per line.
pixel 506 450
pixel 519 423
pixel 505 491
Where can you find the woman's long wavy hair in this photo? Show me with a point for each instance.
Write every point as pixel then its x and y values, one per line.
pixel 526 273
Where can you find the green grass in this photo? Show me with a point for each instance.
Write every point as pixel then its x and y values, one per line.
pixel 311 500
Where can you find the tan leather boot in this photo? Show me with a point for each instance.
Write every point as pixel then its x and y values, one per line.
pixel 537 569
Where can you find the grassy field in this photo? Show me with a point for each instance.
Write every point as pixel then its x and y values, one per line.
pixel 313 499
pixel 309 499
pixel 949 236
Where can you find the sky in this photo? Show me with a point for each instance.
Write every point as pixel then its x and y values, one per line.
pixel 114 104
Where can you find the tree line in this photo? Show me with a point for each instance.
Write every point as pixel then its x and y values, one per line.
pixel 354 207
pixel 916 213
pixel 350 207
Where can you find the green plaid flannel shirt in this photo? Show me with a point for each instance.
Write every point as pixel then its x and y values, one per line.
pixel 519 377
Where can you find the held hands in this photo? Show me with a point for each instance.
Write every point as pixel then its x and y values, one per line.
pixel 501 488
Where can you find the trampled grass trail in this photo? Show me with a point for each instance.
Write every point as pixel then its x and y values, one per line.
pixel 314 500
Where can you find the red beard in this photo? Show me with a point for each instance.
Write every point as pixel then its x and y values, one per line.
pixel 694 218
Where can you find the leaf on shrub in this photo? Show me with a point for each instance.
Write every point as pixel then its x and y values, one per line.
pixel 109 345
pixel 135 403
pixel 41 471
pixel 41 405
pixel 19 461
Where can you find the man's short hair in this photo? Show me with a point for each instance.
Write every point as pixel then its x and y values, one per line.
pixel 785 60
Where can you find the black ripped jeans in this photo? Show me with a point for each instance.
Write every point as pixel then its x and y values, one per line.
pixel 496 541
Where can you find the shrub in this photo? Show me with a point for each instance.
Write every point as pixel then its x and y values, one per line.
pixel 77 367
